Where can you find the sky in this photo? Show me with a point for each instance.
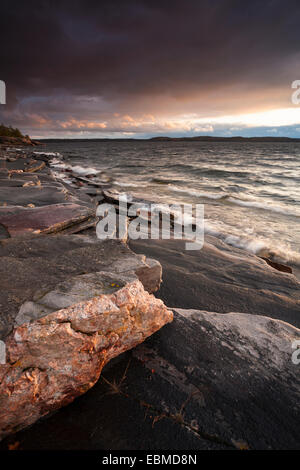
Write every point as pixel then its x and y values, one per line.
pixel 144 68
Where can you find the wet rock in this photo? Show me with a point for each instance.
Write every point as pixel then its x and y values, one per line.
pixel 113 196
pixel 95 182
pixel 221 278
pixel 279 266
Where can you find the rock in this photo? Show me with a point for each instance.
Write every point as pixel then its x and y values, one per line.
pixel 96 182
pixel 221 278
pixel 112 196
pixel 43 195
pixel 65 332
pixel 22 163
pixel 236 370
pixel 205 381
pixel 19 179
pixel 39 188
pixel 3 233
pixel 12 141
pixel 279 266
pixel 47 219
pixel 32 265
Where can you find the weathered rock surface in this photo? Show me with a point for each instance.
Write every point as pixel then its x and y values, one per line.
pixel 29 267
pixel 205 381
pixel 20 164
pixel 221 278
pixel 54 218
pixel 64 332
pixel 32 200
pixel 55 358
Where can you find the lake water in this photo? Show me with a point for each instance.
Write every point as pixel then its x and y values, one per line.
pixel 251 191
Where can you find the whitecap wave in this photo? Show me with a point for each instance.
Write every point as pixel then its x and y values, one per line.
pixel 225 197
pixel 261 247
pixel 80 170
pixel 49 154
pixel 76 169
pixel 264 206
pixel 126 185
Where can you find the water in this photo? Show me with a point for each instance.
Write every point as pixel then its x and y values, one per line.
pixel 250 190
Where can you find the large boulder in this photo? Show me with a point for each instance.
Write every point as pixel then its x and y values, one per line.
pixel 205 381
pixel 63 318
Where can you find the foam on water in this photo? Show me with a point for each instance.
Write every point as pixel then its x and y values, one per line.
pixel 76 169
pixel 49 154
pixel 250 191
pixel 264 206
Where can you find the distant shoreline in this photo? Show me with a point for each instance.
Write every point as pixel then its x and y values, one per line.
pixel 205 138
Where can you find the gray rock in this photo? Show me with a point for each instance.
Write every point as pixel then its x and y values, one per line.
pixel 205 381
pixel 32 267
pixel 221 278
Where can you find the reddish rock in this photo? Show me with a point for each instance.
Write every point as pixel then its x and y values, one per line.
pixel 58 357
pixel 47 219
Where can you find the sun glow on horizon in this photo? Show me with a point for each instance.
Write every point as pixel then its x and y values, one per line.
pixel 272 118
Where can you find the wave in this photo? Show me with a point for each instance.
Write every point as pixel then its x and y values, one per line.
pixel 162 181
pixel 77 169
pixel 225 197
pixel 83 171
pixel 264 248
pixel 257 246
pixel 127 185
pixel 263 206
pixel 49 154
pixel 215 196
pixel 209 172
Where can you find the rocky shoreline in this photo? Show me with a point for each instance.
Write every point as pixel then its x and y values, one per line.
pixel 210 379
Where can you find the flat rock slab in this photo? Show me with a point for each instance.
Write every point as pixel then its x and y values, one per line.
pixel 205 381
pixel 221 278
pixel 38 264
pixel 21 163
pixel 23 179
pixel 33 194
pixel 47 219
pixel 39 189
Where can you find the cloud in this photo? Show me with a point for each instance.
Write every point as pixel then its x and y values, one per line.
pixel 86 65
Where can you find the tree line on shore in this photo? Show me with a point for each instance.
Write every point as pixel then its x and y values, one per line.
pixel 9 131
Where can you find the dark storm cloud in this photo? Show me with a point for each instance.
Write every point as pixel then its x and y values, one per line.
pixel 142 56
